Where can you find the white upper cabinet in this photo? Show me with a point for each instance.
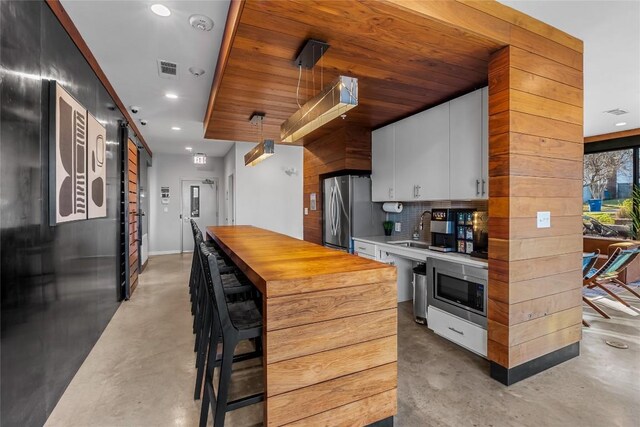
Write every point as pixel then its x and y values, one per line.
pixel 466 151
pixel 422 155
pixel 383 164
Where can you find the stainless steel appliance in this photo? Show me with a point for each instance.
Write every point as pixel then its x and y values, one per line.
pixel 420 293
pixel 443 237
pixel 349 212
pixel 480 235
pixel 458 289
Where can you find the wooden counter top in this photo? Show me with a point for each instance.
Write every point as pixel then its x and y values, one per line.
pixel 330 328
pixel 280 265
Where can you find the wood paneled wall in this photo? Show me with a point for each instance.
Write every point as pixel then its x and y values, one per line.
pixel 346 149
pixel 535 152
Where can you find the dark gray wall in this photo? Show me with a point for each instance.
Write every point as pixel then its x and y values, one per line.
pixel 58 283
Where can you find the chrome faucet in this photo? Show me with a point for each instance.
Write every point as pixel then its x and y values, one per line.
pixel 422 219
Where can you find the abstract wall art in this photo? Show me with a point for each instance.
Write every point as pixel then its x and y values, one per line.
pixel 96 168
pixel 77 160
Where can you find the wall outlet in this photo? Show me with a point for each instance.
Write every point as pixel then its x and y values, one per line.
pixel 165 209
pixel 544 220
pixel 398 227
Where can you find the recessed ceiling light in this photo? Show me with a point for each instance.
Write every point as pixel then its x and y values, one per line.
pixel 188 148
pixel 160 10
pixel 621 123
pixel 171 95
pixel 175 128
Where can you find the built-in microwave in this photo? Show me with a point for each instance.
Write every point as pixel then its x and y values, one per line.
pixel 458 289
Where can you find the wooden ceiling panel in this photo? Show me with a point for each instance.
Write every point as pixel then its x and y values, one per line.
pixel 403 64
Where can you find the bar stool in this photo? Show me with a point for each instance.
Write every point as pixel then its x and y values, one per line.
pixel 236 321
pixel 234 285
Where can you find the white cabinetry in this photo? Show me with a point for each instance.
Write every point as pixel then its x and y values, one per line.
pixel 465 147
pixel 438 154
pixel 383 164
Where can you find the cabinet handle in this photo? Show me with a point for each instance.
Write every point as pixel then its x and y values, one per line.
pixel 417 191
pixel 456 331
pixel 477 187
pixel 483 187
pixel 390 193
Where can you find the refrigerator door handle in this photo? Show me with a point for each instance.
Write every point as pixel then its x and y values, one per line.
pixel 332 204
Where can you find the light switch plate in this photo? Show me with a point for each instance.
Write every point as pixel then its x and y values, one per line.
pixel 544 220
pixel 165 209
pixel 398 227
pixel 306 211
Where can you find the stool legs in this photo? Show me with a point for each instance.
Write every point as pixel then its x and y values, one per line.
pixel 223 385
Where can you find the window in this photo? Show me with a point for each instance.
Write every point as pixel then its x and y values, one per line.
pixel 608 193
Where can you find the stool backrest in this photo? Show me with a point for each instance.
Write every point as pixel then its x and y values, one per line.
pixel 214 286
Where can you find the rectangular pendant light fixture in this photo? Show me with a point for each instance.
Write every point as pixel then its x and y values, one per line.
pixel 335 100
pixel 259 153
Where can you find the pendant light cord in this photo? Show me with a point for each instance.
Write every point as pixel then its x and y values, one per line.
pixel 298 87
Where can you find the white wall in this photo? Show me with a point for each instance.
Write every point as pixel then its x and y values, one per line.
pixel 265 195
pixel 167 171
pixel 229 169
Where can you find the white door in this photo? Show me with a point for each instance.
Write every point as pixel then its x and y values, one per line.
pixel 411 159
pixel 198 203
pixel 383 164
pixel 434 184
pixel 231 205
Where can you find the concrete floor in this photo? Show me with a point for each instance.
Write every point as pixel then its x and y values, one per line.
pixel 141 372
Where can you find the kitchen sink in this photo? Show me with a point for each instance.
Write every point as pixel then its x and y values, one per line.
pixel 411 244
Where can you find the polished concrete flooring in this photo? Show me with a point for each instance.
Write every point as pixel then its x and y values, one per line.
pixel 141 372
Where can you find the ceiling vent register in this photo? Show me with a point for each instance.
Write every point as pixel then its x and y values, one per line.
pixel 167 69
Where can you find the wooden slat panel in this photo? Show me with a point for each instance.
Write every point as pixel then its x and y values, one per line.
pixel 302 403
pixel 517 271
pixel 526 228
pixel 360 413
pixel 529 350
pixel 518 143
pixel 528 186
pixel 550 89
pixel 313 307
pixel 512 314
pixel 534 125
pixel 549 49
pixel 527 207
pixel 534 166
pixel 298 341
pixel 521 249
pixel 528 331
pixel 317 368
pixel 544 107
pixel 545 67
pixel 520 19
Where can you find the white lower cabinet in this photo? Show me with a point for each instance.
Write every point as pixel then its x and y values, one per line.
pixel 461 332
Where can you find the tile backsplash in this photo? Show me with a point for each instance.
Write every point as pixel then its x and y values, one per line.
pixel 411 211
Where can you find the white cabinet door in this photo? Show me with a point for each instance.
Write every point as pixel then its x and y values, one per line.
pixel 434 162
pixel 410 156
pixel 383 164
pixel 466 149
pixel 484 188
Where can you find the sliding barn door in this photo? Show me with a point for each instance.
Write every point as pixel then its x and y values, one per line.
pixel 134 242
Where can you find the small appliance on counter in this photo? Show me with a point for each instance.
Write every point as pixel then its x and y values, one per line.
pixel 452 230
pixel 464 231
pixel 443 237
pixel 480 235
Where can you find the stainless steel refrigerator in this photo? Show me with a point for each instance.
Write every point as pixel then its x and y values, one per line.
pixel 349 212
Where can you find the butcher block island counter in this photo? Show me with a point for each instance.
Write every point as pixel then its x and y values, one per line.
pixel 330 326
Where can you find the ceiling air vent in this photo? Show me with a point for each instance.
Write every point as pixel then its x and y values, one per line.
pixel 616 112
pixel 167 69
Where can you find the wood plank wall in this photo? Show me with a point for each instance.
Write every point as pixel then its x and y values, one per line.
pixel 134 244
pixel 346 149
pixel 535 152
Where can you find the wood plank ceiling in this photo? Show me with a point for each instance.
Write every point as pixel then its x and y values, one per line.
pixel 404 64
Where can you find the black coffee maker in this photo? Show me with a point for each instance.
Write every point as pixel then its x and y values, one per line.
pixel 443 237
pixel 480 235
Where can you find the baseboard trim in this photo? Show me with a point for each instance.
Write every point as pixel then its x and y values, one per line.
pixel 535 366
pixel 164 252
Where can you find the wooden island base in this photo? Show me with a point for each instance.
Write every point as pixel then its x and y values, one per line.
pixel 330 329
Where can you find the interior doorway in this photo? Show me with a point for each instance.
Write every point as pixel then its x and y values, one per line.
pixel 199 202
